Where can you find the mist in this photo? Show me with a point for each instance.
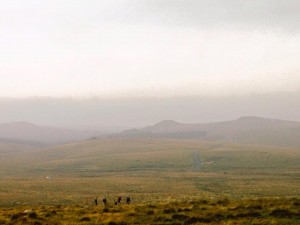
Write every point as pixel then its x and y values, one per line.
pixel 119 64
pixel 116 114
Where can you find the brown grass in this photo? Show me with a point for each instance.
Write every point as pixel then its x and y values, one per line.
pixel 197 211
pixel 243 185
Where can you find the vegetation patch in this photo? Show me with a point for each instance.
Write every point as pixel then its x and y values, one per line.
pixel 236 211
pixel 169 211
pixel 85 219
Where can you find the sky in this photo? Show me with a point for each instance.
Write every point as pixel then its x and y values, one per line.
pixel 148 48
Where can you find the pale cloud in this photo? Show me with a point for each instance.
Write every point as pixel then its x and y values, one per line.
pixel 148 48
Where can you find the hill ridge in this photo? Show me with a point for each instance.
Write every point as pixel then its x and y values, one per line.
pixel 19 131
pixel 245 129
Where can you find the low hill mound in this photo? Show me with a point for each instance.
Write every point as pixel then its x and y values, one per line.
pixel 43 135
pixel 245 130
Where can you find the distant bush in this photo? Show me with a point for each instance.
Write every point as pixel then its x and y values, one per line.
pixel 168 211
pixel 296 203
pixel 117 223
pixel 281 213
pixel 149 212
pixel 224 201
pixel 17 216
pixel 179 217
pixel 162 219
pixel 257 207
pixel 37 223
pixel 32 215
pixel 105 210
pixel 203 201
pixel 85 219
pixel 248 214
pixel 186 210
pixel 194 220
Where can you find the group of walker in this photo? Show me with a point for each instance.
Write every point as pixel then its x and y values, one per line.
pixel 118 201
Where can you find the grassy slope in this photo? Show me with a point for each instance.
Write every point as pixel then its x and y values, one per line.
pixel 245 130
pixel 150 171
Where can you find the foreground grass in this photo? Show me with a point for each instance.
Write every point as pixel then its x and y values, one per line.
pixel 198 211
pixel 169 181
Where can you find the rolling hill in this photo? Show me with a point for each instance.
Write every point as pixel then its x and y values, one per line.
pixel 245 130
pixel 17 132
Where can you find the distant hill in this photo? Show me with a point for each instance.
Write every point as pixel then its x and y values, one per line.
pixel 246 130
pixel 22 142
pixel 29 133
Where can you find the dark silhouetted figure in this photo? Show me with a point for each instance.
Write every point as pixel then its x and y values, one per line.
pixel 96 201
pixel 119 199
pixel 104 201
pixel 128 200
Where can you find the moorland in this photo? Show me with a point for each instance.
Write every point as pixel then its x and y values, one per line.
pixel 169 180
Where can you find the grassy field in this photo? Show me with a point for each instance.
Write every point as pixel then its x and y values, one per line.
pixel 158 174
pixel 199 211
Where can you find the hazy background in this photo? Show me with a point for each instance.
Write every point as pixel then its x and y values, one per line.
pixel 119 114
pixel 122 64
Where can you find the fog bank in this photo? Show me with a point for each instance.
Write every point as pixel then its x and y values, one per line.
pixel 122 113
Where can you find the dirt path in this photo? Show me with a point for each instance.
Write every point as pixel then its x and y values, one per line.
pixel 196 161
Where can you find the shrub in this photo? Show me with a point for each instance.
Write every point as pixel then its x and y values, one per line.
pixel 186 210
pixel 168 211
pixel 32 215
pixel 258 207
pixel 203 201
pixel 179 217
pixel 150 212
pixel 194 220
pixel 17 216
pixel 85 219
pixel 281 213
pixel 105 210
pixel 224 201
pixel 117 223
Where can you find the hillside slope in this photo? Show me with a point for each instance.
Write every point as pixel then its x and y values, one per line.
pixel 25 131
pixel 246 130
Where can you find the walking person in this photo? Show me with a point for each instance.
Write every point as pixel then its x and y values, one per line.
pixel 104 201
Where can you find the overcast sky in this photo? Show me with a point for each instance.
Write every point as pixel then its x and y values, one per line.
pixel 117 48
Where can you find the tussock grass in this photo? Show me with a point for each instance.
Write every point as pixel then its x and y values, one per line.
pixel 246 211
